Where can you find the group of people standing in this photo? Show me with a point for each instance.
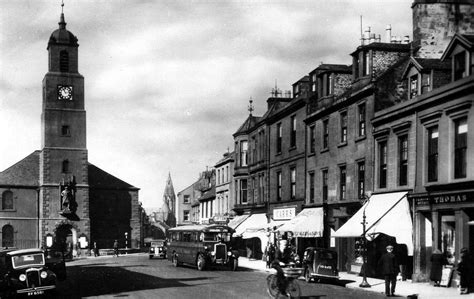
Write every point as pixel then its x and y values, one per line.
pixel 464 268
pixel 285 253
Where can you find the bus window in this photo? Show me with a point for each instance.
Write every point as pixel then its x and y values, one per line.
pixel 216 237
pixel 187 237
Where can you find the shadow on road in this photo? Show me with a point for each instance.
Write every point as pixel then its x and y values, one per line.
pixel 97 280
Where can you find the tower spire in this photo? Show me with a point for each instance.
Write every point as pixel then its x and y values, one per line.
pixel 62 23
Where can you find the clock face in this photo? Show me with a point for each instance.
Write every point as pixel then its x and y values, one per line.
pixel 64 92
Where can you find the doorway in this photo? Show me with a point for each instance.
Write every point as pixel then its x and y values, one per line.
pixel 65 242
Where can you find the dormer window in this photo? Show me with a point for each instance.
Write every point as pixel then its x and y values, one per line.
pixel 460 70
pixel 413 86
pixel 366 62
pixel 330 84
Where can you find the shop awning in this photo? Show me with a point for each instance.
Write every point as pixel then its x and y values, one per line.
pixel 308 223
pixel 237 220
pixel 385 213
pixel 252 224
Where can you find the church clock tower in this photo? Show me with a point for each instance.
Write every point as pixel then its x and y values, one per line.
pixel 63 180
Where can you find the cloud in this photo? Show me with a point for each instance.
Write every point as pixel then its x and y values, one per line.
pixel 167 83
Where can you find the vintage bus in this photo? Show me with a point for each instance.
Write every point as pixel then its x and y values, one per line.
pixel 202 245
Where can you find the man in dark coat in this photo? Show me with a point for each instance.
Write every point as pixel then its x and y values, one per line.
pixel 464 270
pixel 389 266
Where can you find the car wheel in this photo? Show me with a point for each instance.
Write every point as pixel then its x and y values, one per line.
pixel 151 256
pixel 234 264
pixel 201 262
pixel 175 260
pixel 307 275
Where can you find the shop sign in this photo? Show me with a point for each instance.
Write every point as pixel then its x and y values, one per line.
pixel 284 213
pixel 219 219
pixel 444 199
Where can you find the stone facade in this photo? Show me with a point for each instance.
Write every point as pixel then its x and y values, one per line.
pixel 436 21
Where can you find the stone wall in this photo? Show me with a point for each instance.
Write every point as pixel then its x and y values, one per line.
pixel 434 24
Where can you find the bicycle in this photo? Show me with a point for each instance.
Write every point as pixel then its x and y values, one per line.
pixel 285 280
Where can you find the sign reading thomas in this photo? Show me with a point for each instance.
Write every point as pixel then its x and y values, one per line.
pixel 202 245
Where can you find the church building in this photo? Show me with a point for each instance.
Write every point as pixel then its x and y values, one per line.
pixel 54 198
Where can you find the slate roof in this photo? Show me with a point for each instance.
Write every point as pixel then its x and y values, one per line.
pixel 26 173
pixel 467 40
pixel 427 64
pixel 334 67
pixel 211 193
pixel 101 179
pixel 23 173
pixel 248 124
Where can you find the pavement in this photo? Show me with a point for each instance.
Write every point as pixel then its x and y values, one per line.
pixel 407 289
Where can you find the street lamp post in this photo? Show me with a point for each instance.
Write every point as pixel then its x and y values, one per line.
pixel 126 242
pixel 364 283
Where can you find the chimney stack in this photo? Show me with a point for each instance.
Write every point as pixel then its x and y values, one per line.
pixel 388 33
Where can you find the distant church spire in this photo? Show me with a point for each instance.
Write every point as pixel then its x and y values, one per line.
pixel 169 201
pixel 62 23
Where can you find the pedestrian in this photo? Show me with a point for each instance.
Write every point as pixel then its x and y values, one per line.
pixel 270 254
pixel 438 260
pixel 116 251
pixel 389 267
pixel 464 270
pixel 96 250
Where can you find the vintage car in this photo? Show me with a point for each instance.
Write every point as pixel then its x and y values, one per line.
pixel 25 272
pixel 158 249
pixel 320 264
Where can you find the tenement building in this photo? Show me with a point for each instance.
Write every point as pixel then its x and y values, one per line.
pixel 54 197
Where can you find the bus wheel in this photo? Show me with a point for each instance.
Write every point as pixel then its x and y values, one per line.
pixel 175 260
pixel 201 262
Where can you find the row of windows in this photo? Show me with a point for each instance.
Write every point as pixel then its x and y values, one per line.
pixel 223 175
pixel 342 185
pixel 279 135
pixel 432 135
pixel 292 184
pixel 343 129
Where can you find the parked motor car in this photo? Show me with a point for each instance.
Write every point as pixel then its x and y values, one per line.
pixel 25 272
pixel 320 264
pixel 158 249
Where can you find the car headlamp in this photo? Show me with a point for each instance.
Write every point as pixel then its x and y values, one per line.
pixel 44 274
pixel 229 253
pixel 22 277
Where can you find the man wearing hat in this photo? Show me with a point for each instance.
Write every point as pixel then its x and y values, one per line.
pixel 388 264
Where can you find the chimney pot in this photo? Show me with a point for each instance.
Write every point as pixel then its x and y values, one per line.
pixel 388 33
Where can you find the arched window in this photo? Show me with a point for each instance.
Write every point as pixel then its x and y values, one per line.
pixel 64 61
pixel 65 166
pixel 7 200
pixel 7 236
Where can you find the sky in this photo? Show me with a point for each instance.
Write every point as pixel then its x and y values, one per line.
pixel 168 82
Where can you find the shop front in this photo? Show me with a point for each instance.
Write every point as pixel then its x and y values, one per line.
pixel 442 221
pixel 251 236
pixel 387 221
pixel 306 229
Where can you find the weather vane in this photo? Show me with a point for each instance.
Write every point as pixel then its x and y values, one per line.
pixel 250 106
pixel 62 6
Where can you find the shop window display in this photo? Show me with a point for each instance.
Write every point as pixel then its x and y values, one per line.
pixel 448 236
